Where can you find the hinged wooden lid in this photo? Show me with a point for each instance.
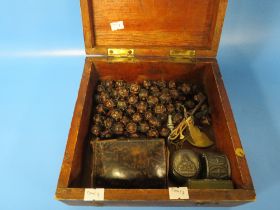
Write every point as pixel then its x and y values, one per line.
pixel 153 27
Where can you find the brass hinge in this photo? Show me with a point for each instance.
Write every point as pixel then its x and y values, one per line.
pixel 121 55
pixel 120 52
pixel 182 55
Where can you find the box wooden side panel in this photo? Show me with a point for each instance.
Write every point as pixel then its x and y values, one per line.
pixel 230 144
pixel 157 197
pixel 217 31
pixel 87 19
pixel 71 165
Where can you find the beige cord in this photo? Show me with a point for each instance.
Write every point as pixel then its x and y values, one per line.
pixel 198 138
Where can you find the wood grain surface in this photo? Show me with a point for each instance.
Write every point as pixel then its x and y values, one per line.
pixel 153 27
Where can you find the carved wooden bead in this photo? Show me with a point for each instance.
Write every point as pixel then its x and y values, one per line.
pixel 199 97
pixel 119 83
pixel 133 99
pixel 103 96
pixel 148 115
pixel 95 130
pixel 137 117
pixel 107 83
pixel 144 127
pixel 146 84
pixel 97 118
pixel 100 109
pixel 125 120
pixel 153 133
pixel 154 122
pixel 165 98
pixel 164 132
pixel 131 127
pixel 116 114
pixel 134 88
pixel 130 110
pixel 161 84
pixel 185 88
pixel 108 122
pixel 159 109
pixel 170 108
pixel 154 89
pixel 143 94
pixel 174 94
pixel 100 88
pixel 152 100
pixel 121 104
pixel 114 93
pixel 141 107
pixel 118 128
pixel 109 103
pixel 172 84
pixel 123 92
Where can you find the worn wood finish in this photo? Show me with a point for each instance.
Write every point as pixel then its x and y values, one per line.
pixel 72 162
pixel 204 72
pixel 158 197
pixel 153 27
pixel 225 129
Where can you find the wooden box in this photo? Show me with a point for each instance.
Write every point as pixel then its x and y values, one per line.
pixel 167 40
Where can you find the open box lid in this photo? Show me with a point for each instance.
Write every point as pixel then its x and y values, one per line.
pixel 153 27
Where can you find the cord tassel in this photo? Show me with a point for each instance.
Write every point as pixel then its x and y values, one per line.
pixel 200 139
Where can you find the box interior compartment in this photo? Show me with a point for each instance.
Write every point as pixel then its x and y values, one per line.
pixel 203 73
